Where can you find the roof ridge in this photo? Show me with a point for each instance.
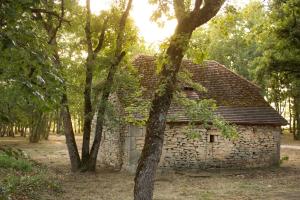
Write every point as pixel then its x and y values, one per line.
pixel 143 55
pixel 204 61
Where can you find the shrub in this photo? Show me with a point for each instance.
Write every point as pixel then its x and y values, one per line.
pixel 23 179
pixel 28 185
pixel 284 158
pixel 7 162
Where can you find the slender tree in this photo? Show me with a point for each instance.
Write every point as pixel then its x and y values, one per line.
pixel 90 62
pixel 188 20
pixel 52 27
pixel 119 54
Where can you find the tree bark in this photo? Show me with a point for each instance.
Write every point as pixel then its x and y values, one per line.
pixel 88 109
pixel 88 112
pixel 148 162
pixel 52 30
pixel 69 134
pixel 290 116
pixel 145 173
pixel 119 55
pixel 37 128
pixel 297 117
pixel 101 114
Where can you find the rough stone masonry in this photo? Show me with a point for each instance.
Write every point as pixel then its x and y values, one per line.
pixel 256 146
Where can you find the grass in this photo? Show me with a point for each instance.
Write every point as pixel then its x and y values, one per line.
pixel 22 178
pixel 206 195
pixel 7 162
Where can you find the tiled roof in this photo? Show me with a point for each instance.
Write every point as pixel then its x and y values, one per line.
pixel 239 101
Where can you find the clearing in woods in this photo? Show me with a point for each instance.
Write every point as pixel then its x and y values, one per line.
pixel 273 183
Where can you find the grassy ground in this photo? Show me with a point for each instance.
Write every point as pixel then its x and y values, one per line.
pixel 274 183
pixel 24 179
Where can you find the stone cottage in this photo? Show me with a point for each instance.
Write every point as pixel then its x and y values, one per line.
pixel 239 102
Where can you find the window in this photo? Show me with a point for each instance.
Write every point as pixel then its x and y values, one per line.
pixel 212 138
pixel 190 92
pixel 187 88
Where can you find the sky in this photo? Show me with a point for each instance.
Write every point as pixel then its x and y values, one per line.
pixel 141 13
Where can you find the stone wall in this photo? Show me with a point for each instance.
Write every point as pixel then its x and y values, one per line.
pixel 256 146
pixel 111 151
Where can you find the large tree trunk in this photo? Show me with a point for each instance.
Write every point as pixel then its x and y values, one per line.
pixel 148 162
pixel 145 173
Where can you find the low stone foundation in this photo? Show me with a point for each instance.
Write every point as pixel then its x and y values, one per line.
pixel 256 146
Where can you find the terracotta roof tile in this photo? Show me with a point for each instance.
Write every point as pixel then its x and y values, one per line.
pixel 239 100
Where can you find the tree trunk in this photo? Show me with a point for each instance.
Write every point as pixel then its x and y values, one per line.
pixel 37 128
pixel 47 127
pixel 79 124
pixel 118 56
pixel 148 162
pixel 59 129
pixel 70 137
pixel 290 116
pixel 297 117
pixel 101 114
pixel 2 128
pixel 88 112
pixel 145 173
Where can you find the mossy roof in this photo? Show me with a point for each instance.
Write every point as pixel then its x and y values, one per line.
pixel 239 101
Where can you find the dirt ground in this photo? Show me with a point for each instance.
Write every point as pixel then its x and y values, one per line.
pixel 273 183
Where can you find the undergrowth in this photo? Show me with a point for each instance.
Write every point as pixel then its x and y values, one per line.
pixel 22 178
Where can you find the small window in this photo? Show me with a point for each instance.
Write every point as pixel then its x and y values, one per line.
pixel 212 138
pixel 187 88
pixel 191 93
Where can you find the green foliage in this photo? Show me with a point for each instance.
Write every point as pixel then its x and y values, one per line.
pixel 186 77
pixel 260 42
pixel 7 162
pixel 203 111
pixel 27 78
pixel 136 107
pixel 22 178
pixel 230 38
pixel 16 186
pixel 278 66
pixel 283 159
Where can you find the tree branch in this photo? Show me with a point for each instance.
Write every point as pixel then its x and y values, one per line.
pixel 40 10
pixel 122 24
pixel 87 28
pixel 101 37
pixel 208 11
pixel 60 20
pixel 198 4
pixel 179 9
pixel 38 16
